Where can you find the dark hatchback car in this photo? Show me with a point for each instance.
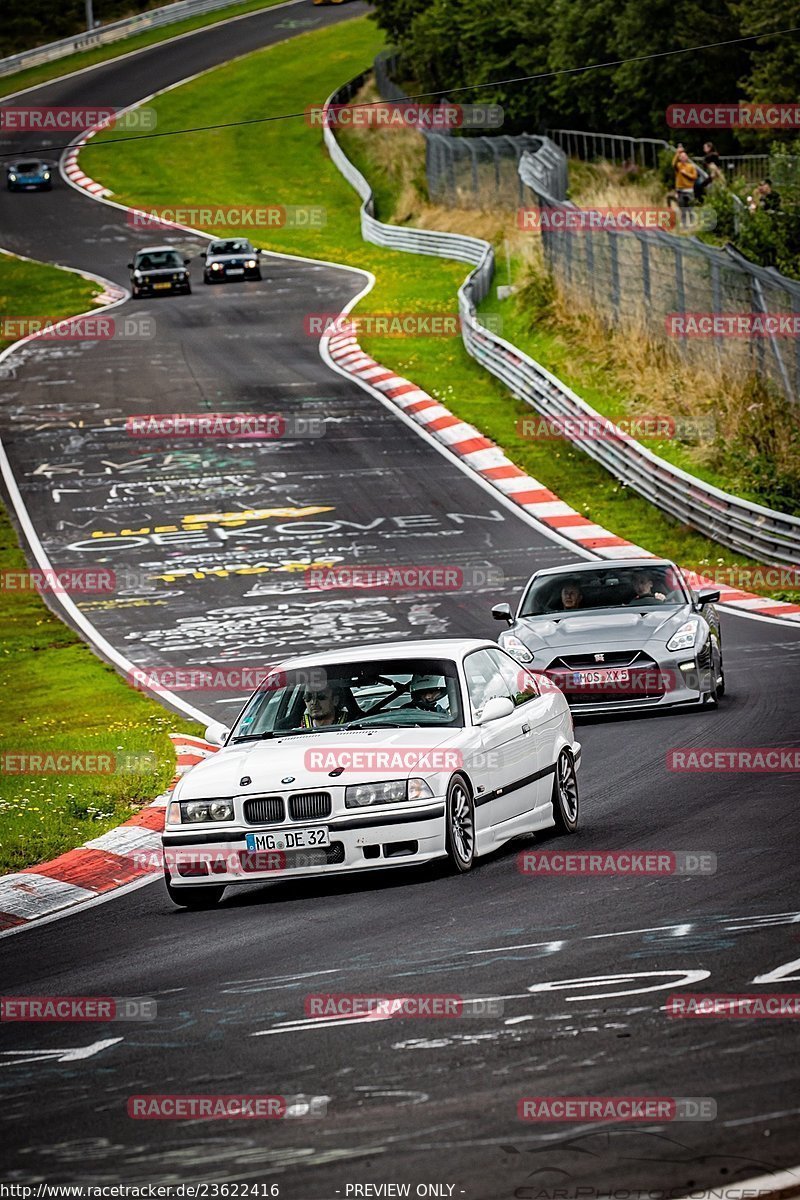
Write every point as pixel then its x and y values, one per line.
pixel 29 175
pixel 231 258
pixel 159 269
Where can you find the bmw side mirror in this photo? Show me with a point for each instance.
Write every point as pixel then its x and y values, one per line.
pixel 502 612
pixel 494 709
pixel 707 596
pixel 130 266
pixel 217 733
pixel 186 262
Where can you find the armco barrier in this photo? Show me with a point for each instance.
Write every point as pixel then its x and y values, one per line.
pixel 748 528
pixel 112 32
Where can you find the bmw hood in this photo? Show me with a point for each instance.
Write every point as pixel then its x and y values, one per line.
pixel 600 630
pixel 303 762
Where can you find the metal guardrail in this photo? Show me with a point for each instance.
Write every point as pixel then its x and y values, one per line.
pixel 614 147
pixel 474 170
pixel 752 529
pixel 112 32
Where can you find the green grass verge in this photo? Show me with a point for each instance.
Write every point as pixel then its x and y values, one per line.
pixel 32 76
pixel 291 76
pixel 57 696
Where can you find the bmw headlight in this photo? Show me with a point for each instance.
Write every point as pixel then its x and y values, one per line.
pixel 517 649
pixel 361 795
pixel 216 266
pixel 193 812
pixel 684 639
pixel 251 262
pixel 46 175
pixel 13 177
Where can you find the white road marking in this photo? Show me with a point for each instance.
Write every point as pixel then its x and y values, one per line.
pixel 20 1057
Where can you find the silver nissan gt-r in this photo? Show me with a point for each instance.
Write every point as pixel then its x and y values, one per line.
pixel 619 636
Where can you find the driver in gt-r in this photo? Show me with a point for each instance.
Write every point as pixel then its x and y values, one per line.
pixel 643 586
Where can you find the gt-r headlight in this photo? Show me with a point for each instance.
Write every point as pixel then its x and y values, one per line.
pixel 360 795
pixel 684 639
pixel 194 812
pixel 517 649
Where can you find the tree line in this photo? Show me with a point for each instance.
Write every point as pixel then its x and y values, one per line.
pixel 449 44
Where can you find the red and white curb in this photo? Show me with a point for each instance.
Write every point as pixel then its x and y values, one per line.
pixel 74 173
pixel 493 465
pixel 130 853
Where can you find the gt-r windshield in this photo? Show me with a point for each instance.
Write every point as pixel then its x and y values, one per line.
pixel 388 693
pixel 604 587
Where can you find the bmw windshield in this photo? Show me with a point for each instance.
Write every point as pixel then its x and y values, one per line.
pixel 627 588
pixel 385 694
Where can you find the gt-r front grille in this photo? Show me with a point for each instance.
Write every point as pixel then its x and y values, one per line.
pixel 264 810
pixel 610 658
pixel 308 806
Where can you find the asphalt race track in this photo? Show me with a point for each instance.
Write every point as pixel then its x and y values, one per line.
pixel 408 1101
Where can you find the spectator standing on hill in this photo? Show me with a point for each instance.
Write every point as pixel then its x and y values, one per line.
pixel 765 198
pixel 686 174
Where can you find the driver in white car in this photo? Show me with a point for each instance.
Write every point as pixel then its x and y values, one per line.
pixel 426 691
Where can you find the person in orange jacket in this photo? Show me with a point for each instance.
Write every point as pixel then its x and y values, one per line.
pixel 686 175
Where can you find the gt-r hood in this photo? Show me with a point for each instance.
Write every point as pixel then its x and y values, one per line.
pixel 600 630
pixel 268 763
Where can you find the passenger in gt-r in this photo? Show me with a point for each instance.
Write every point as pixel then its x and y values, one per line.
pixel 644 589
pixel 426 691
pixel 325 706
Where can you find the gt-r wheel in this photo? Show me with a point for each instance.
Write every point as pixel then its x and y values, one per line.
pixel 460 818
pixel 195 898
pixel 565 794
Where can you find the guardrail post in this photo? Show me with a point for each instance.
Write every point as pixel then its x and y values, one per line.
pixel 612 249
pixel 680 291
pixel 645 268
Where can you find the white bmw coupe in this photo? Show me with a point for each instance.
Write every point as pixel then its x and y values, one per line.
pixel 374 757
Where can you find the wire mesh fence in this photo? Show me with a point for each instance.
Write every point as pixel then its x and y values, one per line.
pixel 474 170
pixel 678 288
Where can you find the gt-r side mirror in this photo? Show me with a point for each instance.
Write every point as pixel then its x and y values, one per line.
pixel 707 596
pixel 216 733
pixel 502 612
pixel 494 709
